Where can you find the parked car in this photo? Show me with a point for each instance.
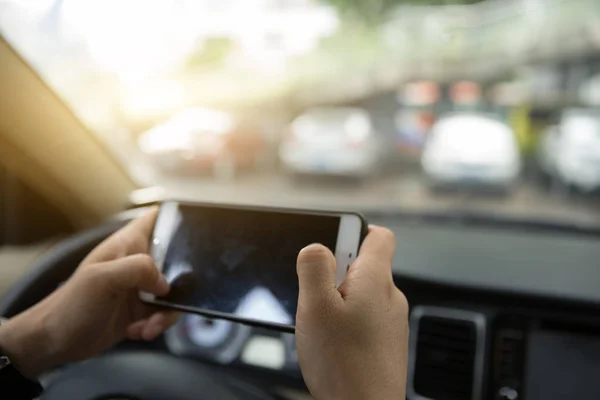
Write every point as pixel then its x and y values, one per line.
pixel 569 152
pixel 332 141
pixel 204 139
pixel 471 149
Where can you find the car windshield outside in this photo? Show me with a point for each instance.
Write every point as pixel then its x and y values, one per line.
pixel 208 99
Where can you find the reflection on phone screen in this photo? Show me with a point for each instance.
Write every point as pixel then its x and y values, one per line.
pixel 241 262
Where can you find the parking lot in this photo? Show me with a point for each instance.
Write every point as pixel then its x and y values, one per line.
pixel 406 192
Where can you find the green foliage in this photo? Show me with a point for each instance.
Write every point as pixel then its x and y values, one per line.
pixel 373 11
pixel 213 54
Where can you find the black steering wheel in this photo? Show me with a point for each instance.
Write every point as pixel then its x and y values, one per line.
pixel 140 374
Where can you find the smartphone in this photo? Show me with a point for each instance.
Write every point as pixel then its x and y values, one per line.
pixel 239 263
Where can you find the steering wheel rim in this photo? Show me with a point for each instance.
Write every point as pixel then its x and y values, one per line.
pixel 53 268
pixel 142 375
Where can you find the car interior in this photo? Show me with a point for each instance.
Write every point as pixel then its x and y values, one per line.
pixel 502 307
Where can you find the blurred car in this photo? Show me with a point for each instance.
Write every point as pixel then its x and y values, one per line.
pixel 570 151
pixel 471 149
pixel 332 141
pixel 204 139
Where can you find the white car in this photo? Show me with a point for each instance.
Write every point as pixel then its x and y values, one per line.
pixel 191 136
pixel 204 139
pixel 332 141
pixel 471 149
pixel 570 151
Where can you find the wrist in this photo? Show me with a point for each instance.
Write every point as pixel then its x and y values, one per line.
pixel 24 340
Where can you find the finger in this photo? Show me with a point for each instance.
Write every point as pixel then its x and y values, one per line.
pixel 131 239
pixel 134 331
pixel 171 317
pixel 376 252
pixel 380 244
pixel 143 225
pixel 158 323
pixel 316 272
pixel 137 272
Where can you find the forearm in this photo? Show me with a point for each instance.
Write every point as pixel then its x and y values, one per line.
pixel 24 341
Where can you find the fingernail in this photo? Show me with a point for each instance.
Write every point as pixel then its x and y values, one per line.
pixel 313 252
pixel 310 247
pixel 163 285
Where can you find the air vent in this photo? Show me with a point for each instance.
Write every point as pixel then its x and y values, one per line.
pixel 508 361
pixel 447 354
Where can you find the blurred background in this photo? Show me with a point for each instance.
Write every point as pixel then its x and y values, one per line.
pixel 490 106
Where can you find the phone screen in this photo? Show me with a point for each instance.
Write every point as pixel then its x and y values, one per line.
pixel 239 261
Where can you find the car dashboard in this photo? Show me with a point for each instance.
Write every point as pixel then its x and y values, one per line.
pixel 499 310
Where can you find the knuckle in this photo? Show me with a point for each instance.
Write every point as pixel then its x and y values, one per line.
pixel 93 272
pixel 134 244
pixel 315 312
pixel 144 260
pixel 401 301
pixel 391 288
pixel 144 263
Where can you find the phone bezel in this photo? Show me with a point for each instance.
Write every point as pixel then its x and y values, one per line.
pixel 351 232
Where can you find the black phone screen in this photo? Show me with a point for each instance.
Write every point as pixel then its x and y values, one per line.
pixel 241 262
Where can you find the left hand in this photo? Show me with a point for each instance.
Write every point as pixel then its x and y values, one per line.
pixel 96 308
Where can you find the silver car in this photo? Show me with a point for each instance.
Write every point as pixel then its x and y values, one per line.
pixel 332 141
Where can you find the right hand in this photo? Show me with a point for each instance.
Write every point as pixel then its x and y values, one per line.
pixel 352 340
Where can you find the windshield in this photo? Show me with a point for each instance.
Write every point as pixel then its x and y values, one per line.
pixel 232 100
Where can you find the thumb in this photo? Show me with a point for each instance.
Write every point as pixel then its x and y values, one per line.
pixel 136 272
pixel 316 272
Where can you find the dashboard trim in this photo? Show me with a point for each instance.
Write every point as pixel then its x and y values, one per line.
pixel 451 313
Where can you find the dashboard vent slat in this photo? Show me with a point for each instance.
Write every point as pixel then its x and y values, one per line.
pixel 508 358
pixel 447 354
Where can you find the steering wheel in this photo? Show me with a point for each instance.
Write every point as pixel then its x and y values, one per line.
pixel 140 374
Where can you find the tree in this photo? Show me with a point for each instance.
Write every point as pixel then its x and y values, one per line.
pixel 213 54
pixel 373 11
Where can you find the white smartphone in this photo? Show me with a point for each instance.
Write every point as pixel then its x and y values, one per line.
pixel 239 263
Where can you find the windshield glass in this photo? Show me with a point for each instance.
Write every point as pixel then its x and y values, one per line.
pixel 377 105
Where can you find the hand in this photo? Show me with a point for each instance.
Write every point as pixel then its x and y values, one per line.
pixel 96 308
pixel 352 340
